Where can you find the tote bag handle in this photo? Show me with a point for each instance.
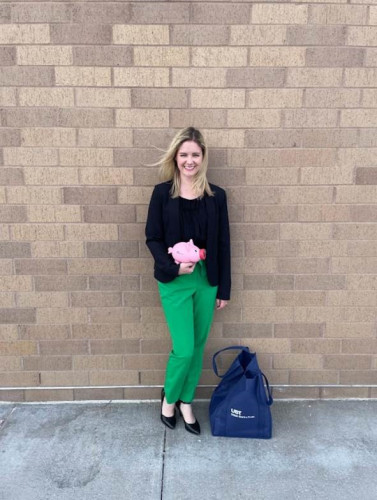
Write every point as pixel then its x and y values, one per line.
pixel 232 347
pixel 266 389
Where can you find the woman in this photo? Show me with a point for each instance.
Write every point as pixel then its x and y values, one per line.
pixel 183 207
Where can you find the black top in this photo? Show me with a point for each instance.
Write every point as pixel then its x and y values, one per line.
pixel 163 230
pixel 193 220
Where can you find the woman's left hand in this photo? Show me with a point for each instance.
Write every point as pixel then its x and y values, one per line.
pixel 220 304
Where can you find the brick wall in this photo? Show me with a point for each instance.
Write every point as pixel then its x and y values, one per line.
pixel 286 96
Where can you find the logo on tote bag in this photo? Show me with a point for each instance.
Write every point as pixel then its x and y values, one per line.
pixel 238 414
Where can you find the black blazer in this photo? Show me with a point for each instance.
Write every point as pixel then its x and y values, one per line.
pixel 163 230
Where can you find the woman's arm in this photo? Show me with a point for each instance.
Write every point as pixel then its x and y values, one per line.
pixel 154 232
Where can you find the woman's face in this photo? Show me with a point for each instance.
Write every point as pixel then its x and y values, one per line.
pixel 189 158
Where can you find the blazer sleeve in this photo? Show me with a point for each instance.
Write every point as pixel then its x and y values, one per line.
pixel 224 252
pixel 154 232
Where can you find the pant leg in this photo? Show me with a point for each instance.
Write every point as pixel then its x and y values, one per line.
pixel 177 303
pixel 204 301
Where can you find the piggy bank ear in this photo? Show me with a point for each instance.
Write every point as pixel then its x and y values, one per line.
pixel 191 242
pixel 170 250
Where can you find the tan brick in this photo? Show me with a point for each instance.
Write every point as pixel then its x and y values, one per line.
pixel 162 56
pixel 15 283
pixel 272 138
pixel 47 363
pixel 129 34
pixel 153 361
pixel 258 35
pixel 83 363
pixel 224 139
pixel 10 137
pixel 233 330
pixel 97 332
pixel 270 214
pixel 43 213
pixel 339 56
pixel 62 316
pixel 136 157
pixel 40 266
pixel 274 98
pixel 270 248
pixel 10 250
pixel 30 232
pixel 63 379
pixel 277 56
pixel 141 77
pixel 113 249
pixel 279 14
pixel 222 98
pixel 19 348
pixel 320 248
pixel 347 362
pixel 11 176
pixel 7 56
pixel 107 55
pixel 30 75
pixel 91 34
pixel 114 346
pixel 358 117
pixel 137 266
pixel 364 248
pixel 58 137
pixel 298 361
pixel 121 377
pixel 83 157
pixel 199 35
pixel 30 156
pixel 144 177
pixel 13 214
pixel 104 138
pixel 107 12
pixel 51 176
pixel 359 346
pixel 33 395
pixel 83 76
pixel 272 176
pixel 366 175
pixel 298 330
pixel 91 232
pixel 332 98
pixel 57 249
pixel 290 298
pixel 358 377
pixel 322 213
pixel 46 97
pixel 7 299
pixel 198 118
pixel 19 379
pixel 355 231
pixel 318 77
pixel 115 314
pixel 338 14
pixel 89 196
pixel 219 13
pixel 103 98
pixel 369 100
pixel 133 195
pixel 63 347
pixel 329 138
pixel 114 283
pixel 254 118
pixel 268 314
pixel 39 12
pixel 255 77
pixel 314 377
pixel 42 55
pixel 219 56
pixel 109 213
pixel 160 13
pixel 24 34
pixel 249 231
pixel 315 346
pixel 94 266
pixel 129 232
pixel 42 299
pixel 7 97
pixel 142 118
pixel 67 283
pixel 159 98
pixel 6 267
pixel 24 117
pixel 344 392
pixel 96 299
pixel 85 118
pixel 10 363
pixel 106 176
pixel 362 36
pixel 316 35
pixel 329 175
pixel 198 77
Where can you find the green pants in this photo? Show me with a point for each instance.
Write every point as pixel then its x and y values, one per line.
pixel 188 303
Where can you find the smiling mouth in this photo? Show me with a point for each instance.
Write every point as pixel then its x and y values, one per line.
pixel 190 167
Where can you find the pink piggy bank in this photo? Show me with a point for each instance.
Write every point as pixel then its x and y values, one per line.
pixel 187 252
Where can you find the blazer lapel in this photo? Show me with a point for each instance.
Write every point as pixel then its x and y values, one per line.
pixel 211 214
pixel 175 229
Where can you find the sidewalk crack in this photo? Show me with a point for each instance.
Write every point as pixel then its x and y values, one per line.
pixel 4 420
pixel 163 466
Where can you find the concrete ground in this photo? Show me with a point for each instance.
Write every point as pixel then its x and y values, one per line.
pixel 115 451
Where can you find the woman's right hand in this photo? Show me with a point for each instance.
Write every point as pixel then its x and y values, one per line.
pixel 186 267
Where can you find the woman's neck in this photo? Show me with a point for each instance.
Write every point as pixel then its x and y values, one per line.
pixel 187 189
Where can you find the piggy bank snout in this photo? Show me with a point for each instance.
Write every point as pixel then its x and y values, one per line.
pixel 202 254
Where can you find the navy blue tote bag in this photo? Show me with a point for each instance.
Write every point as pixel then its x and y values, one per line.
pixel 240 404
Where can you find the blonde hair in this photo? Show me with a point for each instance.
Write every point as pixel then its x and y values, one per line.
pixel 168 167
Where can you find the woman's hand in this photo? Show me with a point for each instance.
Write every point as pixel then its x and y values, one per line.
pixel 186 267
pixel 220 304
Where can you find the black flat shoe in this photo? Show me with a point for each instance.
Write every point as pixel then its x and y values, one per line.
pixel 168 421
pixel 193 428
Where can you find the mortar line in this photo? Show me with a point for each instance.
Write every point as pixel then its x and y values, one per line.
pixel 163 466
